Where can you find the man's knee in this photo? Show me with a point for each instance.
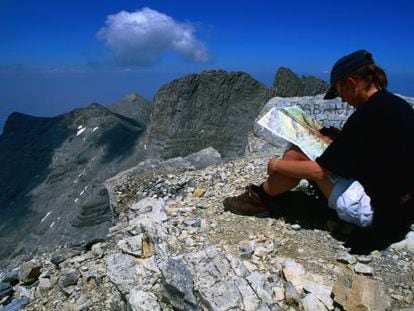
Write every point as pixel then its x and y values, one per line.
pixel 294 153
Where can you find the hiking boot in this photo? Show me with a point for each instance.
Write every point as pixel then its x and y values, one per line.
pixel 248 203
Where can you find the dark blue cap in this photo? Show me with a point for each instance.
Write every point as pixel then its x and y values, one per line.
pixel 345 66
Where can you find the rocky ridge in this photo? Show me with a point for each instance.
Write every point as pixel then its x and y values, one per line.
pixel 288 84
pixel 174 248
pixel 51 181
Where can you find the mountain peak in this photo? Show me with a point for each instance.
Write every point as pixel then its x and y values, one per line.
pixel 288 84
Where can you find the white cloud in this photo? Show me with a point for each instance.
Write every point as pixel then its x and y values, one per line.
pixel 141 37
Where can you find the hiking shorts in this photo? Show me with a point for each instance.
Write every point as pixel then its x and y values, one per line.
pixel 350 201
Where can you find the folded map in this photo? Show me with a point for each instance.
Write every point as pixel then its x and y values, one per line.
pixel 297 127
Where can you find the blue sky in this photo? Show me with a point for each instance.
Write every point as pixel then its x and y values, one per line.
pixel 59 55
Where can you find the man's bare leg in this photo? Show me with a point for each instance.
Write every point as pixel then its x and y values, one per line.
pixel 256 200
pixel 277 183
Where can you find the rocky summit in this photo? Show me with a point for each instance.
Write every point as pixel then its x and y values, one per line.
pixel 175 248
pixel 133 106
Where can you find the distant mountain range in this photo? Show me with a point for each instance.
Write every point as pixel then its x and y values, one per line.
pixel 52 173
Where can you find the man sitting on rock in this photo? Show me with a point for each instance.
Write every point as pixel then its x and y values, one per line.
pixel 367 172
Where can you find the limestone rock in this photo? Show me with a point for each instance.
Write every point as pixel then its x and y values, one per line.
pixel 199 192
pixel 151 208
pixel 45 284
pixel 246 249
pixel 199 159
pixel 356 292
pixel 11 277
pixel 410 241
pixel 5 290
pixel 238 267
pixel 29 272
pixel 203 158
pixel 321 292
pixel 16 304
pixel 407 243
pixel 363 269
pixel 139 245
pixel 97 250
pixel 341 288
pixel 178 284
pixel 364 259
pixel 221 288
pixel 367 293
pixel 249 297
pixel 140 300
pixel 24 291
pixel 311 303
pixel 122 271
pixel 258 145
pixel 71 278
pixel 223 296
pixel 262 251
pixel 294 273
pixel 260 286
pixel 64 253
pixel 346 258
pixel 292 296
pixel 116 302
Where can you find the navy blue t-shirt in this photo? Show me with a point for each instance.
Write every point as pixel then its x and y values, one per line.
pixel 376 147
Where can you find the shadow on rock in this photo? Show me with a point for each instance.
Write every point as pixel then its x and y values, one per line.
pixel 297 207
pixel 120 141
pixel 310 212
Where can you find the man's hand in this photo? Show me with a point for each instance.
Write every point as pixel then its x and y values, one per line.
pixel 326 139
pixel 331 132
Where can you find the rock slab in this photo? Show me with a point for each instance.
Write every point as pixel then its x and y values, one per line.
pixel 178 284
pixel 357 292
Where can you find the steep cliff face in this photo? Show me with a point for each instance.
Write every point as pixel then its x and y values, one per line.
pixel 51 176
pixel 287 84
pixel 214 108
